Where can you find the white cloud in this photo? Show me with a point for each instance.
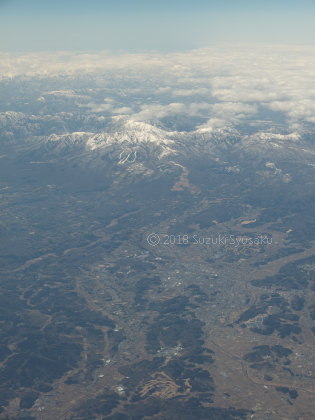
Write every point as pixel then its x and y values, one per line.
pixel 149 112
pixel 296 110
pixel 122 110
pixel 231 109
pixel 97 108
pixel 213 124
pixel 191 92
pixel 233 83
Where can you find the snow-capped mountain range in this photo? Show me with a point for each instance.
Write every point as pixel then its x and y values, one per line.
pixel 129 142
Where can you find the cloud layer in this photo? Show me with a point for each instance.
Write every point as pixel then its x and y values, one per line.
pixel 220 86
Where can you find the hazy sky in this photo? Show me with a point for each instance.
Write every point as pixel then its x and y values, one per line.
pixel 142 25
